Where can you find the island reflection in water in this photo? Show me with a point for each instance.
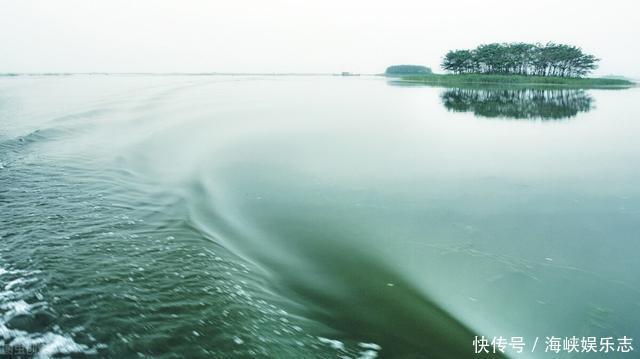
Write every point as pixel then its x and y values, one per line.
pixel 520 103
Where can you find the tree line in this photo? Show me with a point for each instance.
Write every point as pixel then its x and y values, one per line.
pixel 521 59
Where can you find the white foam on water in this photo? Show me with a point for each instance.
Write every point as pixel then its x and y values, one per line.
pixel 6 333
pixel 15 282
pixel 16 308
pixel 335 344
pixel 368 354
pixel 51 344
pixel 12 304
pixel 365 351
pixel 373 346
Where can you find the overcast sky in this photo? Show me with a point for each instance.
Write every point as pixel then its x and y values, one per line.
pixel 298 36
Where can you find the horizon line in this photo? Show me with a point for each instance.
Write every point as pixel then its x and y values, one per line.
pixel 62 73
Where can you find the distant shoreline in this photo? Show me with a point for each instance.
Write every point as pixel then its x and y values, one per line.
pixel 446 80
pixel 26 74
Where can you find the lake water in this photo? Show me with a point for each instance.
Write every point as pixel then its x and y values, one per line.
pixel 320 217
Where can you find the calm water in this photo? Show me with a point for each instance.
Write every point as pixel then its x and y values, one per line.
pixel 320 217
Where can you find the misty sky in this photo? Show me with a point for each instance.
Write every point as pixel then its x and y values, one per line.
pixel 298 36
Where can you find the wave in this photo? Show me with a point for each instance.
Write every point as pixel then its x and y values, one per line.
pixel 247 218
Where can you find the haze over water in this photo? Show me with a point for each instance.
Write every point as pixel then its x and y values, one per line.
pixel 263 216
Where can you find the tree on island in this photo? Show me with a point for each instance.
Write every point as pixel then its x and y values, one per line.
pixel 521 59
pixel 408 70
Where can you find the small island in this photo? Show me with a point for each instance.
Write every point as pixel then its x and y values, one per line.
pixel 402 70
pixel 550 64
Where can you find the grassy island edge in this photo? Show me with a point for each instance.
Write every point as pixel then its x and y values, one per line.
pixel 499 79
